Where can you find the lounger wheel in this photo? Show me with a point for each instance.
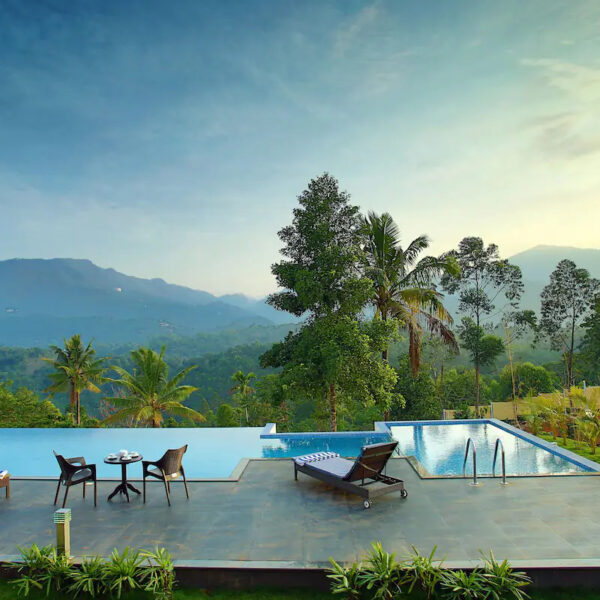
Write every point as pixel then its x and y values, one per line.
pixel 367 504
pixel 403 494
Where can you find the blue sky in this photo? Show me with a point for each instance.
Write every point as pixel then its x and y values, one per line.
pixel 171 139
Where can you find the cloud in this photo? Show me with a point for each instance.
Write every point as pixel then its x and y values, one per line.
pixel 574 130
pixel 348 34
pixel 578 82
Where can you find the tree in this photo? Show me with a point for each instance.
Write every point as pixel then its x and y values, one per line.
pixel 22 408
pixel 590 345
pixel 484 348
pixel 458 391
pixel 437 354
pixel 484 279
pixel 333 360
pixel 76 369
pixel 566 301
pixel 148 393
pixel 227 416
pixel 515 323
pixel 403 284
pixel 525 379
pixel 330 357
pixel 419 393
pixel 242 390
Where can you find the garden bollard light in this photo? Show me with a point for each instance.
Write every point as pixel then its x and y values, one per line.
pixel 62 518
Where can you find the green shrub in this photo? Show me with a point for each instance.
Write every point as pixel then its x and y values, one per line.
pixel 345 580
pixel 502 581
pixel 34 570
pixel 122 573
pixel 423 572
pixel 462 585
pixel 44 570
pixel 382 574
pixel 380 577
pixel 89 578
pixel 159 575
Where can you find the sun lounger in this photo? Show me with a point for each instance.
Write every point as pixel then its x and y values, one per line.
pixel 364 476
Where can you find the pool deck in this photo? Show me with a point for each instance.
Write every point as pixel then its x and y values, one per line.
pixel 268 518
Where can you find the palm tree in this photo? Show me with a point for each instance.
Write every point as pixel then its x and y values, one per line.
pixel 404 285
pixel 77 369
pixel 148 393
pixel 242 390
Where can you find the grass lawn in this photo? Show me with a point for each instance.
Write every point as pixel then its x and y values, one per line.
pixel 7 592
pixel 573 446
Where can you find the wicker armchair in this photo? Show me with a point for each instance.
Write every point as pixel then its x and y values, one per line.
pixel 74 471
pixel 166 469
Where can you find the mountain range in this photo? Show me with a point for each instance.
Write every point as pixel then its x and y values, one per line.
pixel 43 301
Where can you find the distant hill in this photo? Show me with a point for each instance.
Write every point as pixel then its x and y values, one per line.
pixel 42 301
pixel 537 263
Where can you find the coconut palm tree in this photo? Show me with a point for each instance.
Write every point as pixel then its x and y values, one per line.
pixel 404 284
pixel 242 390
pixel 148 393
pixel 77 369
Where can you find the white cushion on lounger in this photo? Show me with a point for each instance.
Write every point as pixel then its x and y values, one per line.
pixel 340 467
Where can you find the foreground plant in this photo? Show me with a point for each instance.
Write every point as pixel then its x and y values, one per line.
pixel 159 575
pixel 89 578
pixel 345 580
pixel 123 572
pixel 463 585
pixel 502 581
pixel 33 570
pixel 382 574
pixel 422 571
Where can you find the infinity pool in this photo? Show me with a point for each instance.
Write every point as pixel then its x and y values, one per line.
pixel 440 448
pixel 212 452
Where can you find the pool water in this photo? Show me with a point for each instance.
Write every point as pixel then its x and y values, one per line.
pixel 441 448
pixel 212 452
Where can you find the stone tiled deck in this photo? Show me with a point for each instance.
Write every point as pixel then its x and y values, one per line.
pixel 267 516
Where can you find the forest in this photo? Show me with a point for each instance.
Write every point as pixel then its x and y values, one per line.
pixel 376 339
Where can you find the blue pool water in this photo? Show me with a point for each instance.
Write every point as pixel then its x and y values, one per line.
pixel 212 452
pixel 441 448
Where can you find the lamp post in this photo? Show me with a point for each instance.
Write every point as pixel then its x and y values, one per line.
pixel 62 518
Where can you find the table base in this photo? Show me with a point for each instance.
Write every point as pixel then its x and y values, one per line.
pixel 123 488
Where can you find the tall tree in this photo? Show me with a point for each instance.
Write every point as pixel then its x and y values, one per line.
pixel 515 324
pixel 148 393
pixel 566 301
pixel 485 280
pixel 590 345
pixel 404 286
pixel 483 347
pixel 76 369
pixel 242 390
pixel 330 357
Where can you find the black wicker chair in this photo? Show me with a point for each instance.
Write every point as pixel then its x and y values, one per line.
pixel 74 471
pixel 166 469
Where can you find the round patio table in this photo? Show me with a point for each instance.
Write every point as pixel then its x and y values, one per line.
pixel 124 486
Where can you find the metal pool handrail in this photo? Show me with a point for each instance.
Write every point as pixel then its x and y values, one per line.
pixel 500 445
pixel 471 443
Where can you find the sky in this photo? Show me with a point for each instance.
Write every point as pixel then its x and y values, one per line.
pixel 171 139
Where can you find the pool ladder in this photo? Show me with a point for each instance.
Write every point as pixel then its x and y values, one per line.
pixel 471 444
pixel 500 445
